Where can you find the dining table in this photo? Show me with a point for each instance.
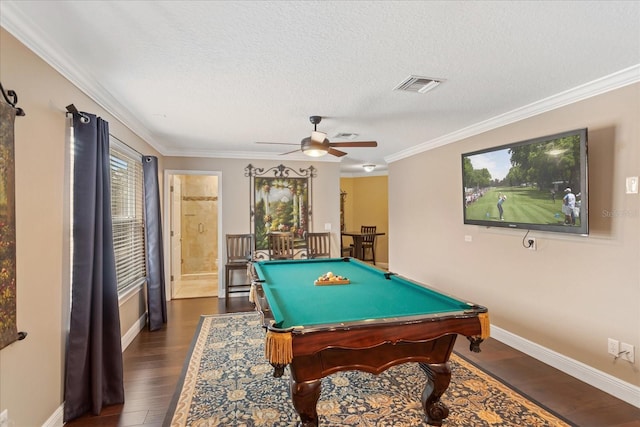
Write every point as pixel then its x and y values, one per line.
pixel 358 236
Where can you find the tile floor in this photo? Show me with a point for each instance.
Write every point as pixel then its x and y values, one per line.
pixel 196 287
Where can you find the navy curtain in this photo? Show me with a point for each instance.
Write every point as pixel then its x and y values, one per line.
pixel 156 300
pixel 93 376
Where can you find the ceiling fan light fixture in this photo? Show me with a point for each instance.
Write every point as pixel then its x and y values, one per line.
pixel 314 149
pixel 368 168
pixel 314 152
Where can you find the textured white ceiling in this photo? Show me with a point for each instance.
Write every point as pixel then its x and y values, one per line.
pixel 210 78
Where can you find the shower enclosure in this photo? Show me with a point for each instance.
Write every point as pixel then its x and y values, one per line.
pixel 195 225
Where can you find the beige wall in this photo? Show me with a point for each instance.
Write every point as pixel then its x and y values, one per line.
pixel 42 202
pixel 573 292
pixel 31 371
pixel 234 192
pixel 367 204
pixel 568 296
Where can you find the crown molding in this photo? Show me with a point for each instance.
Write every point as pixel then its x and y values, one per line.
pixel 381 172
pixel 249 155
pixel 19 25
pixel 16 23
pixel 608 83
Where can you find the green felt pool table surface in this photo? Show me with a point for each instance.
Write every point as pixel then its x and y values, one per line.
pixel 371 294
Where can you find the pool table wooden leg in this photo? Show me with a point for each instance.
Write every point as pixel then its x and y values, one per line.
pixel 439 376
pixel 305 397
pixel 474 344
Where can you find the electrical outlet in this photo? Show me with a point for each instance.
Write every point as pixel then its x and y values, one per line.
pixel 613 347
pixel 627 352
pixel 4 418
pixel 532 244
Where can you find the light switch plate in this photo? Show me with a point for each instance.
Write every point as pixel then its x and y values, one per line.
pixel 632 185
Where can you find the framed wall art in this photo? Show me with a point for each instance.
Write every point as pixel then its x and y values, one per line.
pixel 280 201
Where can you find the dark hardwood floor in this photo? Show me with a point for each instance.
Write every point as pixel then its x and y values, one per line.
pixel 154 360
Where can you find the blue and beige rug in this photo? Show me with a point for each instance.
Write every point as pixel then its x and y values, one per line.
pixel 226 381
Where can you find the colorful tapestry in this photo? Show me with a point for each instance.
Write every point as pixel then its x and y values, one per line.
pixel 226 381
pixel 8 329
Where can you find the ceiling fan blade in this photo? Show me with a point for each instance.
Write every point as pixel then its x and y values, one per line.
pixel 354 144
pixel 277 143
pixel 289 152
pixel 337 153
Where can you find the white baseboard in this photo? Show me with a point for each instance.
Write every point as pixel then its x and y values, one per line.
pixel 133 331
pixel 598 379
pixel 56 419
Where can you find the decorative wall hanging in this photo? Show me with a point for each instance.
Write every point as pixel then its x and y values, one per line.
pixel 8 301
pixel 280 201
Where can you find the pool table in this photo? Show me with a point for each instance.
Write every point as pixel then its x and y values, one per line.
pixel 377 320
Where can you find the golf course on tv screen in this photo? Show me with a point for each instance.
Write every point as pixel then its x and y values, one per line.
pixel 538 184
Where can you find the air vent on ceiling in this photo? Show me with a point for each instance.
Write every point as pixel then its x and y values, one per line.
pixel 418 84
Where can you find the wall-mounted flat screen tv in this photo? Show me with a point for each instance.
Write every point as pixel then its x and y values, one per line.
pixel 537 184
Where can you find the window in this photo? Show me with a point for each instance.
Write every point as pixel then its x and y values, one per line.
pixel 127 211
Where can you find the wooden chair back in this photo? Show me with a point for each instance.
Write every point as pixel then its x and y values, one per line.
pixel 318 245
pixel 369 234
pixel 239 253
pixel 281 245
pixel 368 243
pixel 239 248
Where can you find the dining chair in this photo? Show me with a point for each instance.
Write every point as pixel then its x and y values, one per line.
pixel 239 254
pixel 318 245
pixel 368 242
pixel 280 245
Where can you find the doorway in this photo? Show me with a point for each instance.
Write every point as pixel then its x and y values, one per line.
pixel 194 212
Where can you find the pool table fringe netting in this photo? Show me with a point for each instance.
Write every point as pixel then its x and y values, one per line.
pixel 278 348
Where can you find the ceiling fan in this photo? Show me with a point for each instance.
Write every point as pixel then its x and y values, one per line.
pixel 318 145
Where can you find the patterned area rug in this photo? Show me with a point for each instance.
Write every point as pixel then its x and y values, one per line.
pixel 226 381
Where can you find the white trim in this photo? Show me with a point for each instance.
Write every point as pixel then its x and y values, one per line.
pixel 605 84
pixel 129 291
pixel 363 174
pixel 56 419
pixel 609 384
pixel 12 19
pixel 605 382
pixel 182 152
pixel 133 331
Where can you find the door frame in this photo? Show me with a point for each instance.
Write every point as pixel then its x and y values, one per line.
pixel 168 173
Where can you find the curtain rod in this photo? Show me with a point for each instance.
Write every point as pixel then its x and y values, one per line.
pixel 73 110
pixel 12 94
pixel 127 145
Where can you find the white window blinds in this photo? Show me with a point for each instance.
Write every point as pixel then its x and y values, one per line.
pixel 127 211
